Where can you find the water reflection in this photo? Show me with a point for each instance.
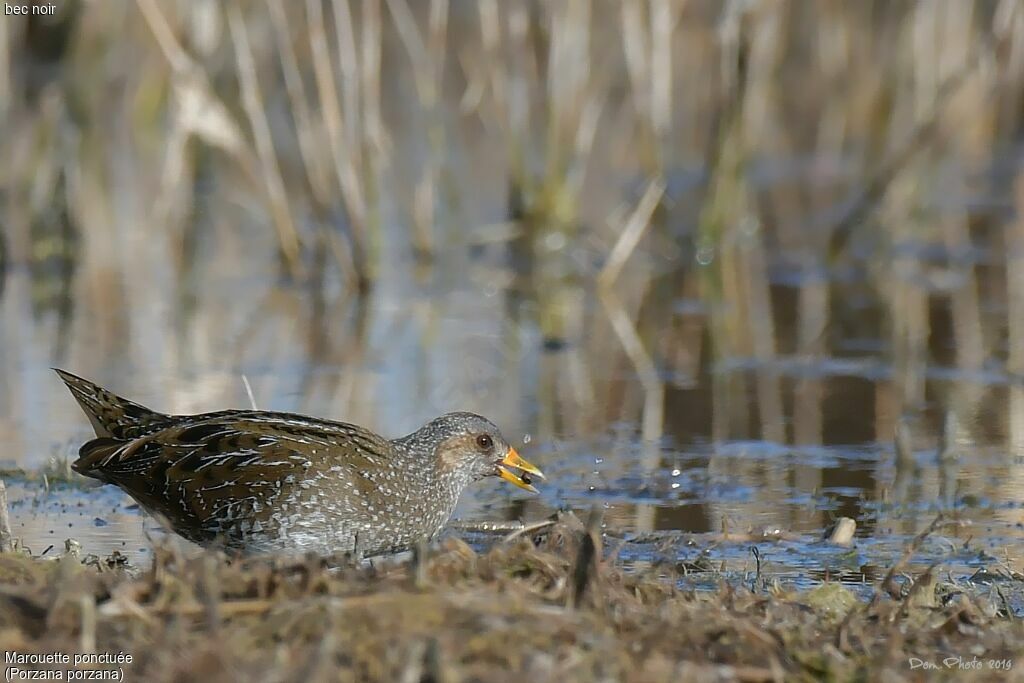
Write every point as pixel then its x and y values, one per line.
pixel 667 437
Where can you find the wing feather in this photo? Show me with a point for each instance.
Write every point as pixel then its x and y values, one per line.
pixel 205 472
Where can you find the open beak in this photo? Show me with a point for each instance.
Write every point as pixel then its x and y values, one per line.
pixel 511 462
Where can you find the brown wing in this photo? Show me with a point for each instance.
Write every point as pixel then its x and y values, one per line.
pixel 207 474
pixel 201 476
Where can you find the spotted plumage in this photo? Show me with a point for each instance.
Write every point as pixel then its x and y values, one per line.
pixel 259 481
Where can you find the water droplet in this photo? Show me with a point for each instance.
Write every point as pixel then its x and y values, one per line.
pixel 527 438
pixel 598 461
pixel 675 473
pixel 675 485
pixel 591 488
pixel 705 255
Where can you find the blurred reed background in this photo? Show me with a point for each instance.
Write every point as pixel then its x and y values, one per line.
pixel 710 256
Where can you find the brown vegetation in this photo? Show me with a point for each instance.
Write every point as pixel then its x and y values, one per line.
pixel 536 608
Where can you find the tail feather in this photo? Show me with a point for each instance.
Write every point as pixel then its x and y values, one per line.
pixel 112 416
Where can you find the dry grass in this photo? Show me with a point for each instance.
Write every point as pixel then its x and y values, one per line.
pixel 534 607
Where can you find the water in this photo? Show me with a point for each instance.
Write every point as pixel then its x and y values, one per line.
pixel 575 408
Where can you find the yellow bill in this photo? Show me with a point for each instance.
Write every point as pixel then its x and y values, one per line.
pixel 513 461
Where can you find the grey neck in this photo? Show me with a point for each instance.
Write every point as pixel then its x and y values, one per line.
pixel 419 450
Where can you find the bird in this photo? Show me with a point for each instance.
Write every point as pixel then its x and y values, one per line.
pixel 254 481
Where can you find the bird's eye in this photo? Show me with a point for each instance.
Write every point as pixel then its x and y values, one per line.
pixel 485 442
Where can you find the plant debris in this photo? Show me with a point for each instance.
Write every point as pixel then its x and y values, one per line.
pixel 544 605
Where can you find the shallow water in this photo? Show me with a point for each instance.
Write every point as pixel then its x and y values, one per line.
pixel 576 408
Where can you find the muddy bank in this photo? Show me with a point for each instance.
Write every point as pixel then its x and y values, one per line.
pixel 541 606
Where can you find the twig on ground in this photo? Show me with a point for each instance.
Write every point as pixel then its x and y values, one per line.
pixel 248 391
